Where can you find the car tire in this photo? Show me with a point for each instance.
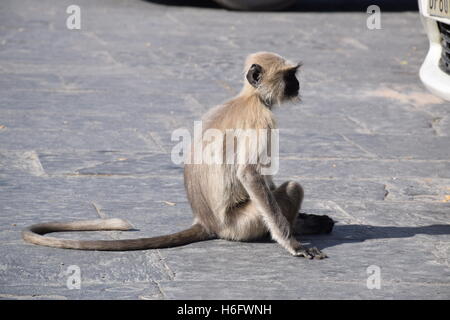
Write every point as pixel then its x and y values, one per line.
pixel 256 4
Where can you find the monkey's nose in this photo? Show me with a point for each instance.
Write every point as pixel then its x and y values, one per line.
pixel 292 91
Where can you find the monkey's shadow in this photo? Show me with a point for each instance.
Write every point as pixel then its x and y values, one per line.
pixel 353 233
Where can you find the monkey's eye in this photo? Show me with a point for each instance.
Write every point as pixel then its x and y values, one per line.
pixel 293 71
pixel 290 75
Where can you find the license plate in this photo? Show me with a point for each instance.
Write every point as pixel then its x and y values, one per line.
pixel 439 8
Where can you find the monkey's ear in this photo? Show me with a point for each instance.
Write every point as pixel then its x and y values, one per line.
pixel 254 75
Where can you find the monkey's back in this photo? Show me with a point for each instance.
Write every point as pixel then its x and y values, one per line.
pixel 213 190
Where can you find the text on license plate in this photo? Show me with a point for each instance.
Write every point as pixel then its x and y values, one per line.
pixel 439 8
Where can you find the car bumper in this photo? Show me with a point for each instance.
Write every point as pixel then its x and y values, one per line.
pixel 432 76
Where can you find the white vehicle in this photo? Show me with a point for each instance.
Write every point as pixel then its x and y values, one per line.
pixel 435 71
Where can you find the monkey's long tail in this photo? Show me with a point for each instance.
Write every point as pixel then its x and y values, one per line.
pixel 35 234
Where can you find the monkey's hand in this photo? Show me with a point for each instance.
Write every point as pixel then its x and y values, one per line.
pixel 298 250
pixel 310 253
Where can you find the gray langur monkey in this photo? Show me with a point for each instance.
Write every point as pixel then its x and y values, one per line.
pixel 229 201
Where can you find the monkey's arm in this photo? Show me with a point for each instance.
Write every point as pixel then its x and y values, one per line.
pixel 259 192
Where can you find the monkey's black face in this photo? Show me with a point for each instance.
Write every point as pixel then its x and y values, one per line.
pixel 291 84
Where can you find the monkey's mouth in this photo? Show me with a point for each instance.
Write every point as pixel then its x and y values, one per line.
pixel 293 94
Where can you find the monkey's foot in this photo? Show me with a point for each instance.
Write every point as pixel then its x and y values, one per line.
pixel 313 224
pixel 310 253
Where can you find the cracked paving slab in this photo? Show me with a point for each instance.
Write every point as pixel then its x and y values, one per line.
pixel 85 132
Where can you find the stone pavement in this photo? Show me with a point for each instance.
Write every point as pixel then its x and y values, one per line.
pixel 85 123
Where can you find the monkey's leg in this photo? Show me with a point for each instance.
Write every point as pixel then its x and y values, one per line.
pixel 266 204
pixel 291 193
pixel 289 197
pixel 313 224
